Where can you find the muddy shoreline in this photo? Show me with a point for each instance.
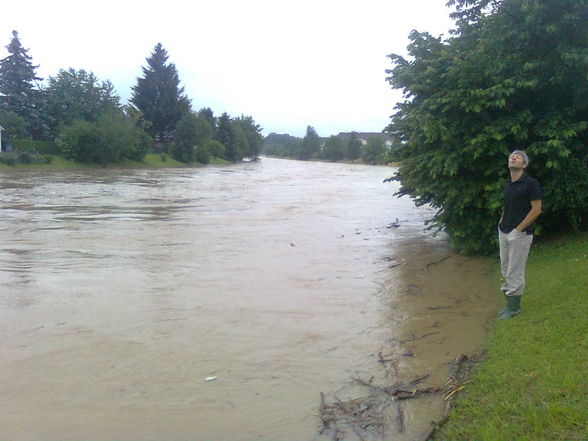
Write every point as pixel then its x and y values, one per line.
pixel 441 307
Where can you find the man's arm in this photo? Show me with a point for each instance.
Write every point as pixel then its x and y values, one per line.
pixel 533 214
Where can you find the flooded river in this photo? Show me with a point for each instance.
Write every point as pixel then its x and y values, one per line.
pixel 217 303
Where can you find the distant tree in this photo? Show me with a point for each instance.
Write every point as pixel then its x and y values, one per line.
pixel 158 95
pixel 281 145
pixel 226 135
pixel 353 147
pixel 78 95
pixel 252 133
pixel 334 149
pixel 241 141
pixel 18 87
pixel 208 115
pixel 374 151
pixel 310 145
pixel 185 139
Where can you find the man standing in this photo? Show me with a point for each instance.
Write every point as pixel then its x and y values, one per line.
pixel 522 205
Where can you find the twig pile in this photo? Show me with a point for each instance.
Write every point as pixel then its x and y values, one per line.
pixel 366 416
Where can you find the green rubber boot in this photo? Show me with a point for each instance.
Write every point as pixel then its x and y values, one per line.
pixel 513 307
pixel 502 311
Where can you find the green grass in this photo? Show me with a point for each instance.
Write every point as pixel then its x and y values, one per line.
pixel 151 160
pixel 534 384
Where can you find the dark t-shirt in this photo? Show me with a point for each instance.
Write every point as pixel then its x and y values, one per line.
pixel 517 202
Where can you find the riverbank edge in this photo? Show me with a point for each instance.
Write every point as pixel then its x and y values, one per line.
pixel 344 161
pixel 151 160
pixel 528 387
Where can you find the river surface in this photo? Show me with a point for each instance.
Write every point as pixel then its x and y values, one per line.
pixel 216 303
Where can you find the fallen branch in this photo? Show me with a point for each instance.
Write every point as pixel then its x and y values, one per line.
pixel 436 262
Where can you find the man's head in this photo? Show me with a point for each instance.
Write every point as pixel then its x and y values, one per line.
pixel 518 160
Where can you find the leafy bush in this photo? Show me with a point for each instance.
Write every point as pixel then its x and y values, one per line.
pixel 24 157
pixel 7 159
pixel 112 138
pixel 202 154
pixel 215 148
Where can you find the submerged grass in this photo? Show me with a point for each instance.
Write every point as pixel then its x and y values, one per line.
pixel 534 384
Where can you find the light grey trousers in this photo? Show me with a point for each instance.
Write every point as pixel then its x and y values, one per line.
pixel 514 250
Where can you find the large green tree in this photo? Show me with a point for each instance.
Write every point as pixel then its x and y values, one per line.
pixel 310 145
pixel 225 133
pixel 158 95
pixel 374 151
pixel 511 76
pixel 334 149
pixel 252 134
pixel 78 95
pixel 353 147
pixel 19 92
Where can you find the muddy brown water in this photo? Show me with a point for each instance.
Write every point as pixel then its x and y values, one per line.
pixel 217 303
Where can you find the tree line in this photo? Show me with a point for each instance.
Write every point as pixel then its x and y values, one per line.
pixel 335 148
pixel 76 114
pixel 512 75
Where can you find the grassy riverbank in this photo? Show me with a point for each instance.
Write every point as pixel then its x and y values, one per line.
pixel 151 160
pixel 534 384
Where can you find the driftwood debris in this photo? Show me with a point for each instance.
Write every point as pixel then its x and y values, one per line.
pixel 369 417
pixel 437 262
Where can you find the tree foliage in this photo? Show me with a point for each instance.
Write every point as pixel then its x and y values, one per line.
pixel 186 139
pixel 374 150
pixel 353 147
pixel 512 76
pixel 281 145
pixel 78 95
pixel 225 133
pixel 252 141
pixel 111 138
pixel 18 86
pixel 158 95
pixel 15 125
pixel 334 149
pixel 310 145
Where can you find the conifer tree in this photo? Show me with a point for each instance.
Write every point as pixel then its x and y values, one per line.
pixel 158 95
pixel 18 89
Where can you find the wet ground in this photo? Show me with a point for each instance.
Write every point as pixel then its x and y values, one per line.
pixel 217 303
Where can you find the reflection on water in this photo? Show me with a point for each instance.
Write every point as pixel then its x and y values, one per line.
pixel 122 291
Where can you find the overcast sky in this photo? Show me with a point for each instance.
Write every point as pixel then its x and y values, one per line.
pixel 288 64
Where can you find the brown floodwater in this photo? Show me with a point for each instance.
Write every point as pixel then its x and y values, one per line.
pixel 217 303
